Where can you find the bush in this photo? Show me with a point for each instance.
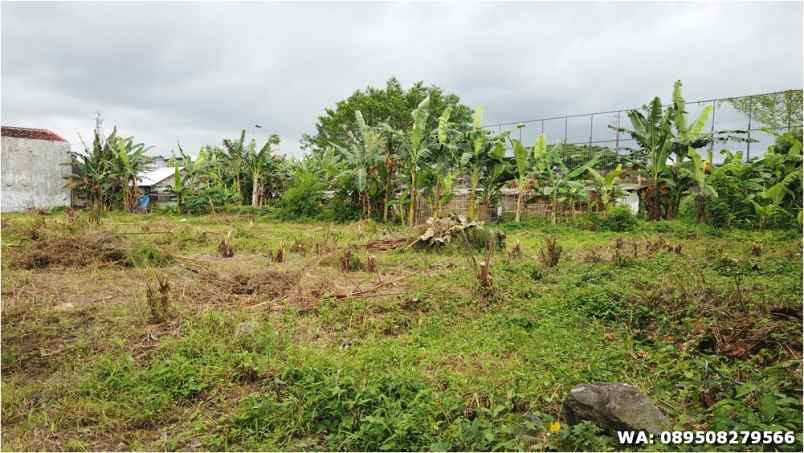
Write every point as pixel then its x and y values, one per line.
pixel 208 199
pixel 303 199
pixel 148 255
pixel 618 218
pixel 341 209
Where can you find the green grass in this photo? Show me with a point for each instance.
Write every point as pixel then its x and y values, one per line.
pixel 424 362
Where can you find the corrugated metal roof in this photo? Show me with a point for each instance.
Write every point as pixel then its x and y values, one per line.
pixel 34 134
pixel 155 176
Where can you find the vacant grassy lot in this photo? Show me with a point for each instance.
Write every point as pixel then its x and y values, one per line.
pixel 254 353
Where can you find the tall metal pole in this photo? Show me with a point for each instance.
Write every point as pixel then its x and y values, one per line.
pixel 617 135
pixel 591 128
pixel 565 129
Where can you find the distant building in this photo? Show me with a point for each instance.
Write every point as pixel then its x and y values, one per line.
pixel 158 183
pixel 35 165
pixel 160 161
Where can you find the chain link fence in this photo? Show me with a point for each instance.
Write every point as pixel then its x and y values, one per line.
pixel 750 119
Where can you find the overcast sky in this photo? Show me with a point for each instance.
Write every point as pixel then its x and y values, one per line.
pixel 199 72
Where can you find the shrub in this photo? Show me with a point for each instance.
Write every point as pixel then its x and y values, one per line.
pixel 551 252
pixel 148 255
pixel 618 218
pixel 303 199
pixel 208 199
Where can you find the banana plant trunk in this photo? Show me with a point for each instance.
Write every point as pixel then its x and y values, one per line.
pixel 555 206
pixel 385 206
pixel 412 210
pixel 519 196
pixel 255 191
pixel 437 200
pixel 472 208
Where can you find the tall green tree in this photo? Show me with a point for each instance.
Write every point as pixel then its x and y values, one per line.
pixel 392 105
pixel 775 111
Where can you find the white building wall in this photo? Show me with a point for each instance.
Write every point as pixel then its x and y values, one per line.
pixel 33 174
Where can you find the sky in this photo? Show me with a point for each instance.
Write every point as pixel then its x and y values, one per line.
pixel 196 73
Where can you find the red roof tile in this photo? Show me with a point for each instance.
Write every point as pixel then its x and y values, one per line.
pixel 36 134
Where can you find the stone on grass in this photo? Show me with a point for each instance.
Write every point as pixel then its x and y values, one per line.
pixel 613 406
pixel 245 328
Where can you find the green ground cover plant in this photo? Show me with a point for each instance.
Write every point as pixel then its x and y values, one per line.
pixel 257 354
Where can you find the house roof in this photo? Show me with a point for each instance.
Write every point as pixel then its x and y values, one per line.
pixel 155 176
pixel 34 134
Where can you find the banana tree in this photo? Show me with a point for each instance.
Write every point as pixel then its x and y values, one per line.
pixel 180 187
pixel 92 172
pixel 557 176
pixel 130 161
pixel 607 186
pixel 417 152
pixel 524 159
pixel 361 156
pixel 686 137
pixel 473 160
pixel 701 190
pixel 654 135
pixel 235 157
pixel 496 168
pixel 444 171
pixel 258 164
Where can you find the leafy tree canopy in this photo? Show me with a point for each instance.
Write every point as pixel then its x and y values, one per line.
pixel 776 110
pixel 391 104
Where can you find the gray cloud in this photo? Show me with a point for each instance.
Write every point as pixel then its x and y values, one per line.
pixel 198 72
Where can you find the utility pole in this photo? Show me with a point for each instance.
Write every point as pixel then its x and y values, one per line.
pixel 99 128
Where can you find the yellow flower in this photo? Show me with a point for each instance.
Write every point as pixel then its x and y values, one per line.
pixel 554 427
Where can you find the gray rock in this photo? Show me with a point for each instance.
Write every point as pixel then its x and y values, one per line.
pixel 614 406
pixel 245 328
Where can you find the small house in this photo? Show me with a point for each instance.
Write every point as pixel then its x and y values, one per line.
pixel 35 167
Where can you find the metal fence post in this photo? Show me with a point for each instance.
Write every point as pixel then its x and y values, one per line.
pixel 712 132
pixel 750 114
pixel 789 113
